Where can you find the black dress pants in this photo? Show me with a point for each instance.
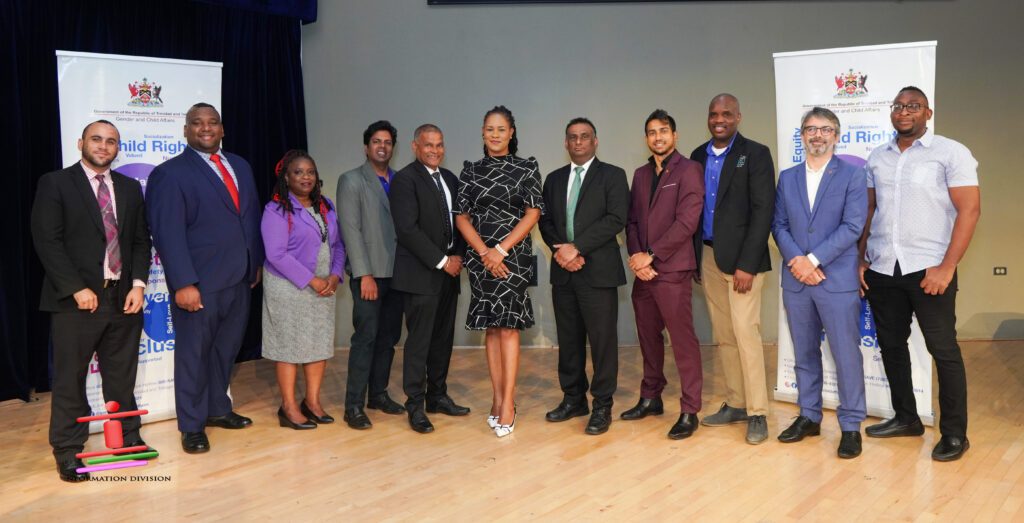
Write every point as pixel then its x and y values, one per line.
pixel 583 312
pixel 430 320
pixel 378 327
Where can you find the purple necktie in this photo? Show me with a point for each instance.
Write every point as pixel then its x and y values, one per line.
pixel 109 226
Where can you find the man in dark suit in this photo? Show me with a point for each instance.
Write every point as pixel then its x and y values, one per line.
pixel 739 198
pixel 364 214
pixel 664 211
pixel 585 211
pixel 427 266
pixel 89 229
pixel 206 219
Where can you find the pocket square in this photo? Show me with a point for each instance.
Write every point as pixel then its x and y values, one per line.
pixel 667 186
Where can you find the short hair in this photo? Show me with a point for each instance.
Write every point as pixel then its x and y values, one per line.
pixel 662 116
pixel 513 143
pixel 200 105
pixel 583 120
pixel 914 89
pixel 820 112
pixel 380 125
pixel 107 122
pixel 425 128
pixel 726 96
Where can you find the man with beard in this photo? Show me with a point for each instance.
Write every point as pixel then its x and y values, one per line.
pixel 664 213
pixel 820 208
pixel 364 214
pixel 923 206
pixel 89 229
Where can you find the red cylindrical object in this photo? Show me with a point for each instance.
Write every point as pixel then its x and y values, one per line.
pixel 112 434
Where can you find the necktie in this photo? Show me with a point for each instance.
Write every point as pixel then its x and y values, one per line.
pixel 446 214
pixel 109 226
pixel 574 196
pixel 228 181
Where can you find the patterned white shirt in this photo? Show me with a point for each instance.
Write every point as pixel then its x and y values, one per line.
pixel 914 215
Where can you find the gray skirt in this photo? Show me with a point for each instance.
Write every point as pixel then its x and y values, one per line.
pixel 298 324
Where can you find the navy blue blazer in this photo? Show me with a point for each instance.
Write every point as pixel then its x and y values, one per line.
pixel 830 231
pixel 200 237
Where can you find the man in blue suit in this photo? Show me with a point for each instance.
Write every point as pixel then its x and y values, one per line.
pixel 206 220
pixel 820 210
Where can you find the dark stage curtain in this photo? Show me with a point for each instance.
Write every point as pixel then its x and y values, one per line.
pixel 262 106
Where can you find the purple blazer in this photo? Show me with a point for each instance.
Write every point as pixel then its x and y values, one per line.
pixel 292 255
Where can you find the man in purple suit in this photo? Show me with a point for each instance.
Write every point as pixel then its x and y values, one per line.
pixel 664 212
pixel 205 217
pixel 820 209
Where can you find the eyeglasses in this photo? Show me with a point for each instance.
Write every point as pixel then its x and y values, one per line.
pixel 811 130
pixel 911 108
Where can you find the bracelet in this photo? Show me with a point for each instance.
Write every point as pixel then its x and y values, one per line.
pixel 482 254
pixel 500 250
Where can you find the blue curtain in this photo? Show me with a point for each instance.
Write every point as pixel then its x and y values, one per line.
pixel 262 104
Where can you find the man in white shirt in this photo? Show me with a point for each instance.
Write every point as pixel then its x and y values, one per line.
pixel 923 206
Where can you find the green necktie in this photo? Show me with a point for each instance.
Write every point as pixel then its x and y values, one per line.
pixel 574 195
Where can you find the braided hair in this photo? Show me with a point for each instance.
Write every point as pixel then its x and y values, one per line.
pixel 281 193
pixel 513 143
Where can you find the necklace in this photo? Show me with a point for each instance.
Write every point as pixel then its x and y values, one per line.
pixel 319 222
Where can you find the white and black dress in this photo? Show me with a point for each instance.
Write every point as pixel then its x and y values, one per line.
pixel 495 193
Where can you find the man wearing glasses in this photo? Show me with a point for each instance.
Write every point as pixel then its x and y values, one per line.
pixel 923 205
pixel 820 208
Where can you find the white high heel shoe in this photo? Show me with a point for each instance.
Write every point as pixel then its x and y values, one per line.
pixel 492 421
pixel 504 430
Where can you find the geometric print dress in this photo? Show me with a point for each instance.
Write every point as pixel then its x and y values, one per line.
pixel 495 192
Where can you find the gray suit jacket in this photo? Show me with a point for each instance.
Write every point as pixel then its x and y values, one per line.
pixel 367 229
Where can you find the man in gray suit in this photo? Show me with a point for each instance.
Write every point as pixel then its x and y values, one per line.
pixel 369 234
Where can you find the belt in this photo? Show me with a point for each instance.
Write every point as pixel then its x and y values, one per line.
pixel 110 283
pixel 709 243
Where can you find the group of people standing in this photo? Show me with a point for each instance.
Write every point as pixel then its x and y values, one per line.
pixel 893 230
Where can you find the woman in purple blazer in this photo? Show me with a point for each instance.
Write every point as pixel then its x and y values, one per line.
pixel 305 260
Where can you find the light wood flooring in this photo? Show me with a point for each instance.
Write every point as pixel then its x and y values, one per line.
pixel 544 471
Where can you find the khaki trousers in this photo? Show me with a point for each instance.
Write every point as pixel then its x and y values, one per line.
pixel 736 324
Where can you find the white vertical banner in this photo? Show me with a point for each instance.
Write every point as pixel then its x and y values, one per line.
pixel 858 84
pixel 146 99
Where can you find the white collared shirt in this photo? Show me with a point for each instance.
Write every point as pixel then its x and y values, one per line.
pixel 914 215
pixel 814 178
pixel 94 184
pixel 448 199
pixel 572 174
pixel 213 166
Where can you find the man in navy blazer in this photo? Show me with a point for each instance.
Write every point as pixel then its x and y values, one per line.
pixel 820 209
pixel 206 221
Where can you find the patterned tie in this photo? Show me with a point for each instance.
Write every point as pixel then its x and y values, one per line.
pixel 446 213
pixel 228 181
pixel 574 196
pixel 109 226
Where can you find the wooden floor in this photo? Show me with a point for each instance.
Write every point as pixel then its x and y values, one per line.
pixel 544 471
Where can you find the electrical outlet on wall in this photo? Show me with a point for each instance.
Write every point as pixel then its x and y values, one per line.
pixel 998 271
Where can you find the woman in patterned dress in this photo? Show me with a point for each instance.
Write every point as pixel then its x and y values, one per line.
pixel 305 260
pixel 499 203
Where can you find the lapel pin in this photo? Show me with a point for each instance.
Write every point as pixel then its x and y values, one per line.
pixel 742 161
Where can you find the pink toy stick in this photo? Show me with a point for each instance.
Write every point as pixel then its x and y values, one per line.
pixel 122 450
pixel 111 466
pixel 126 414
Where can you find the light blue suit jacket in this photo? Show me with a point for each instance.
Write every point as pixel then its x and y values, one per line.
pixel 830 230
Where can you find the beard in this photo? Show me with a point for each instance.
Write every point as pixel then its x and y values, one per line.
pixel 92 159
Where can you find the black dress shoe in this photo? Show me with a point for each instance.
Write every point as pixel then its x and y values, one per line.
pixel 231 420
pixel 445 405
pixel 135 442
pixel 283 420
pixel 565 411
pixel 684 427
pixel 849 444
pixel 800 429
pixel 950 448
pixel 894 428
pixel 356 418
pixel 419 422
pixel 67 468
pixel 599 422
pixel 643 408
pixel 307 412
pixel 195 442
pixel 385 404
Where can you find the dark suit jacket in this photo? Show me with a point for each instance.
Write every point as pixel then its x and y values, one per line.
pixel 830 230
pixel 69 237
pixel 601 213
pixel 668 223
pixel 417 211
pixel 201 238
pixel 743 206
